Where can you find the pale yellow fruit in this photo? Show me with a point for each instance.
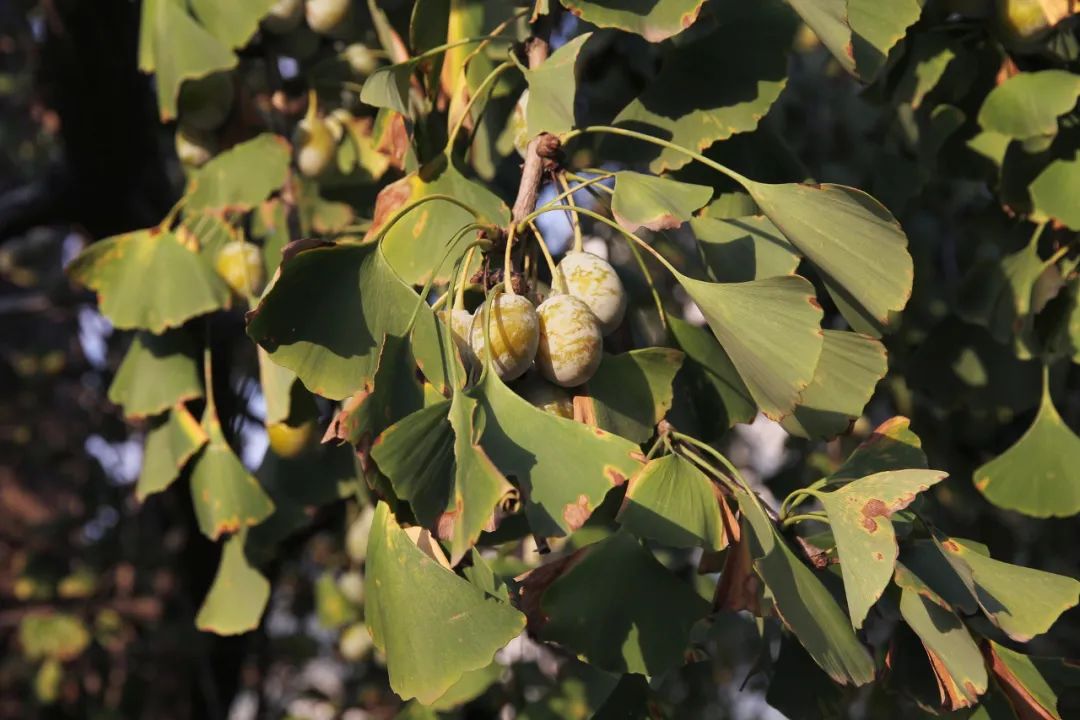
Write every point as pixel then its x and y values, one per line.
pixel 351 585
pixel 361 59
pixel 315 148
pixel 283 16
pixel 461 322
pixel 355 642
pixel 571 345
pixel 1022 19
pixel 550 398
pixel 240 265
pixel 356 537
pixel 205 103
pixel 290 441
pixel 324 15
pixel 194 147
pixel 593 281
pixel 514 331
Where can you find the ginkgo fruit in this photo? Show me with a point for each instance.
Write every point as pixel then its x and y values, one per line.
pixel 240 265
pixel 355 642
pixel 314 143
pixel 592 280
pixel 205 103
pixel 545 396
pixel 283 16
pixel 514 331
pixel 571 345
pixel 290 441
pixel 324 15
pixel 194 147
pixel 461 323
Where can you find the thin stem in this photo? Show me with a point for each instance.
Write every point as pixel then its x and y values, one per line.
pixel 556 202
pixel 459 298
pixel 807 517
pixel 655 446
pixel 558 283
pixel 575 221
pixel 402 212
pixel 716 454
pixel 480 90
pixel 508 267
pixel 707 466
pixel 208 372
pixel 741 179
pixel 431 280
pixel 796 498
pixel 439 49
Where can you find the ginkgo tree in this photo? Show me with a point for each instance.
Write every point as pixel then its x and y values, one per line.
pixel 524 387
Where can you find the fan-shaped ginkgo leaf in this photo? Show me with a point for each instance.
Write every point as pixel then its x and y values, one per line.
pixel 149 279
pixel 242 177
pixel 171 441
pixel 657 203
pixel 226 496
pixel 744 248
pixel 853 240
pixel 238 597
pixel 1053 192
pixel 1037 475
pixel 552 89
pixel 673 502
pixel 433 625
pixel 771 331
pixel 1028 104
pixel 892 446
pixel 654 20
pixel 157 372
pixel 234 22
pixel 704 353
pixel 630 393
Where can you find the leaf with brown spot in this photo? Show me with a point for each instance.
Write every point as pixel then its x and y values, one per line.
pixel 865 541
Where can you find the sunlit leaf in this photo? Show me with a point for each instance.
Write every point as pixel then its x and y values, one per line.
pixel 892 446
pixel 56 636
pixel 388 87
pixel 940 576
pixel 856 245
pixel 657 203
pixel 706 355
pixel 429 645
pixel 241 177
pixel 847 373
pixel 621 610
pixel 171 441
pixel 865 540
pixel 157 372
pixel 552 89
pixel 630 393
pixel 1021 601
pixel 1054 191
pixel 233 22
pixel 235 603
pixel 1028 104
pixel 673 502
pixel 654 20
pixel 1037 475
pixel 1032 684
pixel 714 86
pixel 226 497
pixel 148 279
pixel 744 248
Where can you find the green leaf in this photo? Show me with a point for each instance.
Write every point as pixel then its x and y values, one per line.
pixel 176 48
pixel 148 279
pixel 537 448
pixel 771 331
pixel 630 393
pixel 704 353
pixel 332 607
pixel 940 576
pixel 1021 601
pixel 429 645
pixel 954 657
pixel 621 610
pixel 234 22
pixel 277 385
pixel 420 238
pixel 1028 104
pixel 713 87
pixel 674 503
pixel 158 371
pixel 172 440
pixel 241 177
pixel 658 203
pixel 931 55
pixel 1054 191
pixel 388 87
pixel 854 242
pixel 847 373
pixel 865 540
pixel 1030 681
pixel 471 685
pixel 1037 475
pixel 804 604
pixel 226 497
pixel 328 312
pixel 654 20
pixel 236 601
pixel 52 636
pixel 552 90
pixel 744 249
pixel 892 446
pixel 859 33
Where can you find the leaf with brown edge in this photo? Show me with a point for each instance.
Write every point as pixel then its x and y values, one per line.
pixel 171 441
pixel 631 392
pixel 225 495
pixel 655 21
pixel 892 446
pixel 158 371
pixel 657 203
pixel 242 177
pixel 1031 684
pixel 865 540
pixel 531 586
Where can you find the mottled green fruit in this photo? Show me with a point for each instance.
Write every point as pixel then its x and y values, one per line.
pixel 194 147
pixel 284 15
pixel 571 345
pixel 324 15
pixel 593 281
pixel 314 147
pixel 461 322
pixel 205 103
pixel 514 331
pixel 549 398
pixel 240 265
